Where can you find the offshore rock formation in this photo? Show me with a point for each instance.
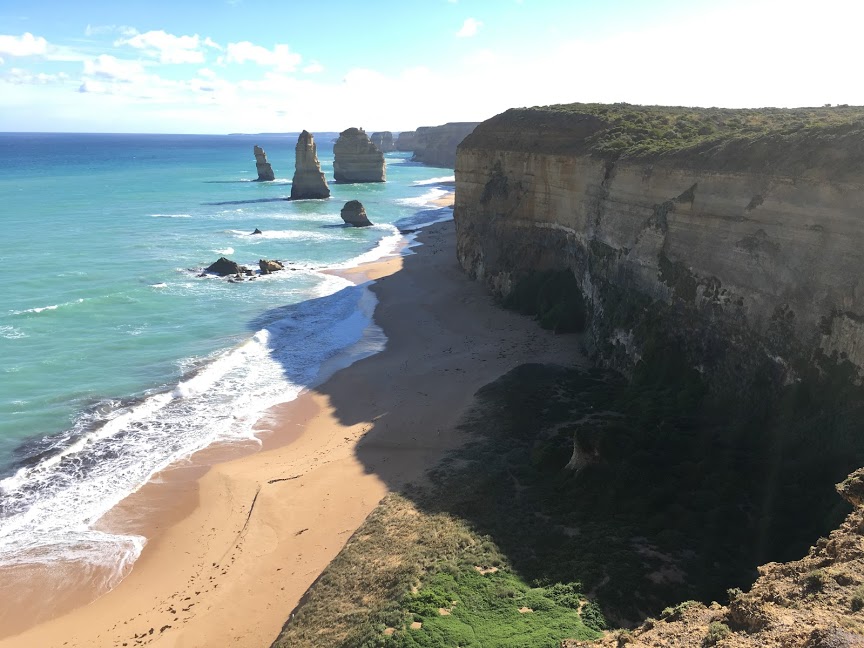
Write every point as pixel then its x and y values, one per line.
pixel 354 214
pixel 265 171
pixel 747 254
pixel 224 267
pixel 267 266
pixel 406 141
pixel 308 181
pixel 436 145
pixel 384 141
pixel 357 159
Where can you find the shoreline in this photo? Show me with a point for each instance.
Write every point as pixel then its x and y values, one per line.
pixel 243 538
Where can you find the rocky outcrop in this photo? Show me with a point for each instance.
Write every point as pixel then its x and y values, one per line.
pixel 267 267
pixel 436 145
pixel 406 141
pixel 257 231
pixel 265 171
pixel 354 213
pixel 224 267
pixel 308 181
pixel 747 253
pixel 384 141
pixel 357 159
pixel 815 602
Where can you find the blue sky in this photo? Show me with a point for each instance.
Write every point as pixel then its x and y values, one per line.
pixel 223 66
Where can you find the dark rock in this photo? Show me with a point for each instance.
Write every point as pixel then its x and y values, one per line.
pixel 265 171
pixel 308 181
pixel 257 231
pixel 224 267
pixel 354 213
pixel 269 266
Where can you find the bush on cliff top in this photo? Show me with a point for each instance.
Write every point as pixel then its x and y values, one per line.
pixel 635 130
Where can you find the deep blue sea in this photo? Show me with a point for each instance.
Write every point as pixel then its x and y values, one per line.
pixel 116 358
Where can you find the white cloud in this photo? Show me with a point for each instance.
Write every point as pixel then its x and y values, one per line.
pixel 209 42
pixel 469 28
pixel 207 73
pixel 20 77
pixel 313 68
pixel 280 57
pixel 168 48
pixel 1 60
pixel 108 67
pixel 25 45
pixel 95 30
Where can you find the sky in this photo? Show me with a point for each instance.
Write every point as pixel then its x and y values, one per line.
pixel 224 66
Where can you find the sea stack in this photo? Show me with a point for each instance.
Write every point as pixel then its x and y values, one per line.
pixel 406 141
pixel 354 213
pixel 384 141
pixel 265 171
pixel 357 159
pixel 308 182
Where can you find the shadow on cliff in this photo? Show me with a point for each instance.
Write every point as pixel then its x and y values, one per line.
pixel 642 492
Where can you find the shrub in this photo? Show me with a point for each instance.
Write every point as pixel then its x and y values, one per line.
pixel 716 632
pixel 857 602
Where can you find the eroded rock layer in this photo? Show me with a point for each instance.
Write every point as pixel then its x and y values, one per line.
pixel 405 141
pixel 748 254
pixel 308 181
pixel 357 159
pixel 265 171
pixel 436 145
pixel 384 141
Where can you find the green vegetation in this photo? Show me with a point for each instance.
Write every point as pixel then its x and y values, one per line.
pixel 638 131
pixel 857 602
pixel 484 610
pixel 716 632
pixel 554 297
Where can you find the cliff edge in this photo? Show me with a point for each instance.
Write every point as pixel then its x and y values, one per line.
pixel 734 232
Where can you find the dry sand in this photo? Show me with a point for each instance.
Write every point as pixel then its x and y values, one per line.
pixel 233 546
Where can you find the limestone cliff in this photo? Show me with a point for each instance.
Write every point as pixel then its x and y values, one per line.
pixel 308 181
pixel 265 171
pixel 357 159
pixel 384 141
pixel 436 145
pixel 745 249
pixel 405 141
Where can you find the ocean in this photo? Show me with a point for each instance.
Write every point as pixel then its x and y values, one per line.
pixel 117 359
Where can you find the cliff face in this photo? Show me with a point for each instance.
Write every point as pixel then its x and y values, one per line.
pixel 743 259
pixel 436 145
pixel 405 141
pixel 384 141
pixel 308 181
pixel 356 158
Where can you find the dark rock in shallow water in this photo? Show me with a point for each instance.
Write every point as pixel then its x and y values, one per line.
pixel 267 267
pixel 354 213
pixel 224 267
pixel 265 171
pixel 257 231
pixel 308 180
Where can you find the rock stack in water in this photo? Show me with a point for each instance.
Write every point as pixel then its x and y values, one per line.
pixel 384 141
pixel 354 213
pixel 406 141
pixel 265 171
pixel 308 181
pixel 356 158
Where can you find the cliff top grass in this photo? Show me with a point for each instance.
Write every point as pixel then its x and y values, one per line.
pixel 786 140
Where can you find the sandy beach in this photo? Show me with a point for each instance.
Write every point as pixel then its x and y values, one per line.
pixel 236 536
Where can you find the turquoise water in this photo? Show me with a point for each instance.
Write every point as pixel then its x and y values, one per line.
pixel 116 358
